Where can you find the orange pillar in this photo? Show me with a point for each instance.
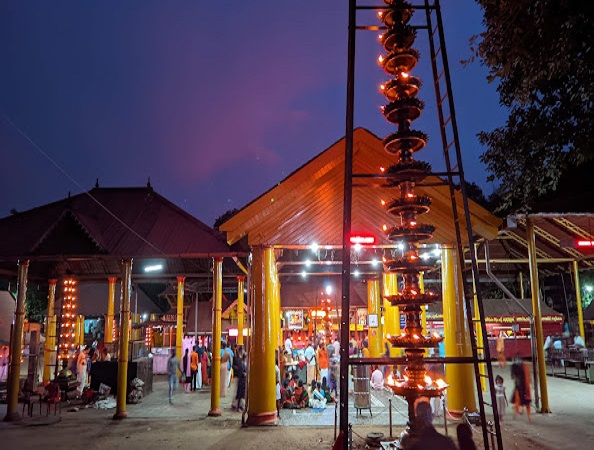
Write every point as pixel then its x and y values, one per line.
pixel 262 386
pixel 240 306
pixel 124 341
pixel 16 342
pixel 108 338
pixel 217 306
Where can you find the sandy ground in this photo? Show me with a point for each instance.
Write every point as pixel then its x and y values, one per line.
pixel 156 425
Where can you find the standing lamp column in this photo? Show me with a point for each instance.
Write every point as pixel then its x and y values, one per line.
pixel 262 386
pixel 124 341
pixel 542 373
pixel 108 338
pixel 50 332
pixel 375 335
pixel 16 342
pixel 391 313
pixel 217 306
pixel 461 393
pixel 578 299
pixel 240 308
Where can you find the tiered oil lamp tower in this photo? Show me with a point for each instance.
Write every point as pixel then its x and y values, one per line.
pixel 403 108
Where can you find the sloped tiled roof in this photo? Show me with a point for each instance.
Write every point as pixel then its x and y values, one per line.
pixel 95 228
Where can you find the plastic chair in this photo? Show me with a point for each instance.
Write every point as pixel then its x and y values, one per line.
pixel 29 398
pixel 54 397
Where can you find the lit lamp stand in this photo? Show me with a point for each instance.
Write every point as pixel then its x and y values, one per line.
pixel 403 175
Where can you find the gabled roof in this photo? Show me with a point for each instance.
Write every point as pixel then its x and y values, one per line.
pixel 123 222
pixel 90 233
pixel 307 206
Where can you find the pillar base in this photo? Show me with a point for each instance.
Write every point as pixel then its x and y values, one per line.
pixel 262 419
pixel 215 412
pixel 458 414
pixel 12 417
pixel 120 415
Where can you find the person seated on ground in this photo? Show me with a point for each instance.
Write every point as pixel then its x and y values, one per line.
pixel 423 435
pixel 301 397
pixel 317 400
pixel 377 379
pixel 295 381
pixel 287 398
pixel 326 392
pixel 289 380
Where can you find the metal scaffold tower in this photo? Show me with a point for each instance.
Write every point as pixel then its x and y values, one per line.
pixel 402 109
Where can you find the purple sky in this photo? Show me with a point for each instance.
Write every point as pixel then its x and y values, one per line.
pixel 215 101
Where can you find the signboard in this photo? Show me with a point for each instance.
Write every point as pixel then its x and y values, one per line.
pixel 372 320
pixel 294 319
pixel 169 318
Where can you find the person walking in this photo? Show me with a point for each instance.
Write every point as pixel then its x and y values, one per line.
pixel 81 370
pixel 172 368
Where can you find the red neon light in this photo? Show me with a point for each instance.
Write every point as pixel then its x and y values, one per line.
pixel 585 243
pixel 362 239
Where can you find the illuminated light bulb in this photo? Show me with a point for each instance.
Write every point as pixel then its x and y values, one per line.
pixel 413 223
pixel 413 292
pixel 379 37
pixel 405 378
pixel 304 274
pixel 356 273
pixel 436 334
pixel 380 14
pixel 388 337
pixel 374 262
pixel 314 247
pixel 404 75
pixel 416 336
pixel 307 263
pixel 410 195
pixel 382 169
pixel 420 387
pixel 357 247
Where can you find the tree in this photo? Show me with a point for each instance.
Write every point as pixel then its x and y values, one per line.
pixel 541 53
pixel 36 303
pixel 224 217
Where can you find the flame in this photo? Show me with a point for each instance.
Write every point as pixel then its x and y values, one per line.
pixel 420 387
pixel 441 384
pixel 380 58
pixel 382 169
pixel 404 74
pixel 380 36
pixel 405 378
pixel 410 195
pixel 385 228
pixel 383 202
pixel 413 223
pixel 428 380
pixel 380 14
pixel 416 336
pixel 382 87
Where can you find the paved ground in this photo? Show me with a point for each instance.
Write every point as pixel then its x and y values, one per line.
pixel 154 424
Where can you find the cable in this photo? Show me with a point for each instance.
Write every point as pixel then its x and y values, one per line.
pixel 40 150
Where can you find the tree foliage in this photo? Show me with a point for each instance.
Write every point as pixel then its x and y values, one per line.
pixel 224 217
pixel 541 54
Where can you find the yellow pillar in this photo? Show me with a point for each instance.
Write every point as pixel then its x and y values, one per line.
pixel 108 338
pixel 217 306
pixel 277 312
pixel 124 340
pixel 578 299
pixel 479 338
pixel 542 374
pixel 240 307
pixel 16 342
pixel 80 330
pixel 391 313
pixel 375 334
pixel 179 329
pixel 461 393
pixel 50 334
pixel 262 387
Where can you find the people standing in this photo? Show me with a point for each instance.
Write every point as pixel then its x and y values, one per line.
pixel 81 370
pixel 289 345
pixel 322 357
pixel 194 369
pixel 310 358
pixel 186 376
pixel 501 349
pixel 500 396
pixel 225 358
pixel 229 363
pixel 204 362
pixel 240 370
pixel 172 368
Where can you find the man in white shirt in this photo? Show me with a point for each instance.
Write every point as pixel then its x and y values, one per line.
pixel 310 357
pixel 377 379
pixel 289 345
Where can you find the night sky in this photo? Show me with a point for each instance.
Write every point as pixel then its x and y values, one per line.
pixel 214 101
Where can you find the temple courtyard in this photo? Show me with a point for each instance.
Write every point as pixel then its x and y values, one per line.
pixel 154 424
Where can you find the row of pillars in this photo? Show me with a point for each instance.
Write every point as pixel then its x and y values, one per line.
pixel 265 287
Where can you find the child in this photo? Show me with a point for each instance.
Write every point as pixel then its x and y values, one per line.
pixel 500 396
